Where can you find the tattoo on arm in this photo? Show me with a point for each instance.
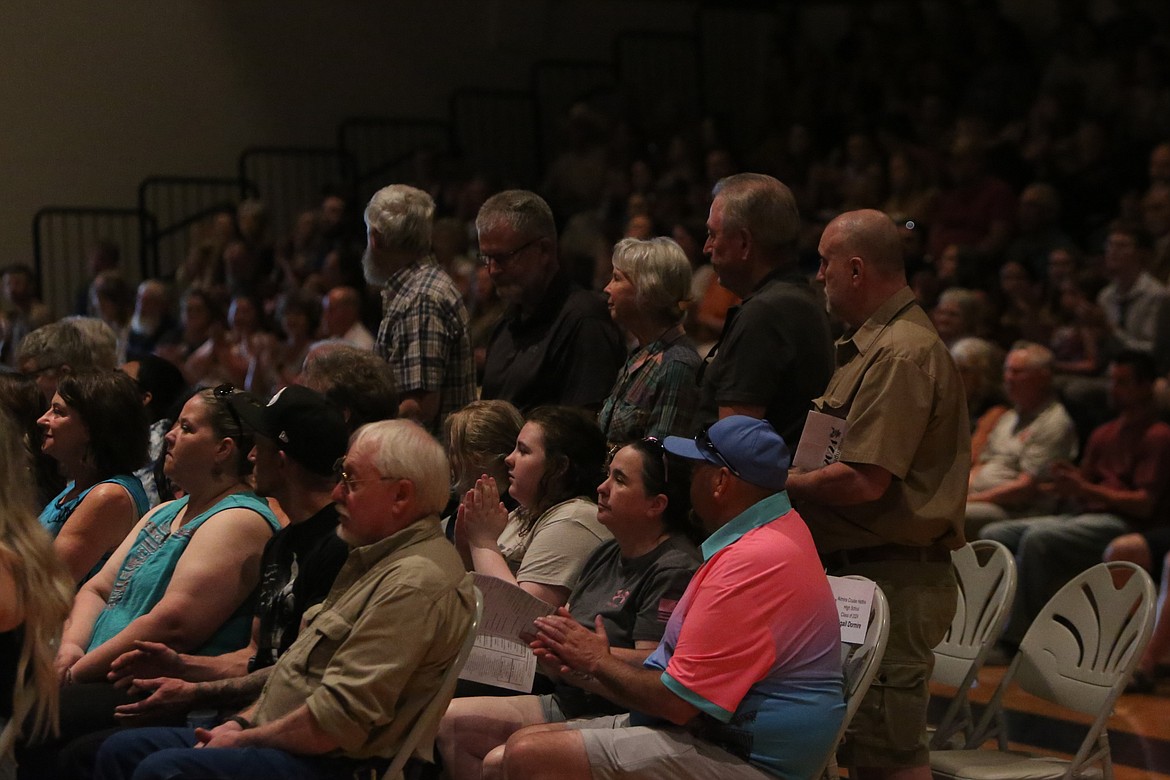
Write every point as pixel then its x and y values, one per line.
pixel 234 691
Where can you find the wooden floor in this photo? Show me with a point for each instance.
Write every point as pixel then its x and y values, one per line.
pixel 1139 731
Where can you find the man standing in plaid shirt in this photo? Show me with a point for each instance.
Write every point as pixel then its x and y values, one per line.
pixel 424 331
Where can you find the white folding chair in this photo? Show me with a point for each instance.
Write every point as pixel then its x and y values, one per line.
pixel 1078 653
pixel 986 573
pixel 859 665
pixel 428 719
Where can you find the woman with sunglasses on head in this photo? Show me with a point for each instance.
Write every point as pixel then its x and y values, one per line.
pixel 182 577
pixel 630 583
pixel 655 393
pixel 542 545
pixel 96 430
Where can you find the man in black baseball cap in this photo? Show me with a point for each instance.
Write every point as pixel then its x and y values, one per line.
pixel 299 422
pixel 299 436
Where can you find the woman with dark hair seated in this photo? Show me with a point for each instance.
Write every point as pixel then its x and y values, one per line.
pixel 631 583
pixel 542 545
pixel 183 577
pixel 96 429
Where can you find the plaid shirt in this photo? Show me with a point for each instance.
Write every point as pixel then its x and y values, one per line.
pixel 424 337
pixel 655 394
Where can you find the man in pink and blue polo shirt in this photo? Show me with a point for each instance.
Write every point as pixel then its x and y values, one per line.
pixel 746 682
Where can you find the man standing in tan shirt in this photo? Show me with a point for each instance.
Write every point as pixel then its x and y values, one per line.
pixel 346 692
pixel 891 508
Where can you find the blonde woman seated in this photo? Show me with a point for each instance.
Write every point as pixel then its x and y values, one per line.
pixel 479 438
pixel 552 471
pixel 629 586
pixel 35 593
pixel 183 576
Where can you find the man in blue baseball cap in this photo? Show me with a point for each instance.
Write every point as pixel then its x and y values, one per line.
pixel 746 682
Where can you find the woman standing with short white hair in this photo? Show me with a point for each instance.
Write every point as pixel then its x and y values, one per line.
pixel 655 393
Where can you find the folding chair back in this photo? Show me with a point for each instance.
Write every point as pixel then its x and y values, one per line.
pixel 986 573
pixel 1078 653
pixel 859 665
pixel 429 717
pixel 1083 646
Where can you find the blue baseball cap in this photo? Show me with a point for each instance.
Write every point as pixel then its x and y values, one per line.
pixel 747 447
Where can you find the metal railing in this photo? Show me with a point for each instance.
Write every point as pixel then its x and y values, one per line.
pixel 497 134
pixel 508 135
pixel 292 179
pixel 64 235
pixel 176 203
pixel 385 150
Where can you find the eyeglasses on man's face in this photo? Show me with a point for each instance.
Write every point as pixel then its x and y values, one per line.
pixel 501 258
pixel 348 481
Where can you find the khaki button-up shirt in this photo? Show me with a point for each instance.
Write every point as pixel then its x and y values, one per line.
pixel 900 392
pixel 373 656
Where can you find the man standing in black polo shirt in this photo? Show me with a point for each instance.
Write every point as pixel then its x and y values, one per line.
pixel 556 343
pixel 775 353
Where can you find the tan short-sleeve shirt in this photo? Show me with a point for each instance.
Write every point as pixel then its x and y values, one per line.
pixel 900 392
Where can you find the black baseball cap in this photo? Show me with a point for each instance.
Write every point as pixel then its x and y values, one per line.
pixel 303 423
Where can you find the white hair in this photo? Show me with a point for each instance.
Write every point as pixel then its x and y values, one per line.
pixel 660 272
pixel 404 450
pixel 402 218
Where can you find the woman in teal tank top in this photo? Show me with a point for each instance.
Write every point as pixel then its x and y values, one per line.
pixel 96 430
pixel 184 574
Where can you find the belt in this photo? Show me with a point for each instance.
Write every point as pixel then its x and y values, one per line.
pixel 841 559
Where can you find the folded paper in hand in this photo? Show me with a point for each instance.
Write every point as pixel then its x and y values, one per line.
pixel 500 657
pixel 820 444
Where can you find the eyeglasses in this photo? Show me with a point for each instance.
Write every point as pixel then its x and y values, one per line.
pixel 704 441
pixel 503 257
pixel 347 481
pixel 656 442
pixel 224 392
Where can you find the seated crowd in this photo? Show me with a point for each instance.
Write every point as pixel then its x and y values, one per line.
pixel 268 508
pixel 289 599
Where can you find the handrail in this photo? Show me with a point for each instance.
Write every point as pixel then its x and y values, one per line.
pixel 413 130
pixel 344 160
pixel 58 278
pixel 521 176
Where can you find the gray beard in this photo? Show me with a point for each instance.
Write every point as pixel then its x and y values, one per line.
pixel 373 273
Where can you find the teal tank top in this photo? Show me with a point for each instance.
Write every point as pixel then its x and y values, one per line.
pixel 149 565
pixel 56 512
